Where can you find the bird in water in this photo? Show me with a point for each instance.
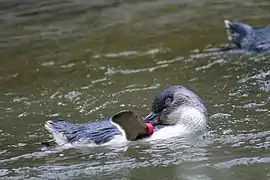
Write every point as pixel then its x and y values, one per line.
pixel 174 105
pixel 248 38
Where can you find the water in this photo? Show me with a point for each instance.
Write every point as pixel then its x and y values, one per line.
pixel 86 60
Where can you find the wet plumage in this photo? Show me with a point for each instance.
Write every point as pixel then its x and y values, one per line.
pixel 174 105
pixel 249 38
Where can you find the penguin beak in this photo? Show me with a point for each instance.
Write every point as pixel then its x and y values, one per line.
pixel 153 118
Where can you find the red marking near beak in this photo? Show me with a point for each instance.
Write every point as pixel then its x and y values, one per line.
pixel 150 128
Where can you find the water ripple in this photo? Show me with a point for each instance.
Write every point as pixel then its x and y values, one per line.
pixel 131 53
pixel 112 71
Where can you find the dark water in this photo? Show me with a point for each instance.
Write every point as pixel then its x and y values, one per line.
pixel 86 60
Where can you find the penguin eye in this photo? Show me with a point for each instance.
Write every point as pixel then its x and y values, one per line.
pixel 168 100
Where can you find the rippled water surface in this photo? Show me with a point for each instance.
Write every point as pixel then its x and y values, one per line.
pixel 86 60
